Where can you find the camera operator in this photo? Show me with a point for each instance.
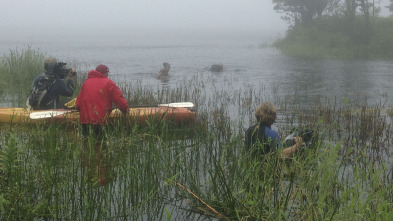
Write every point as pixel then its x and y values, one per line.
pixel 57 73
pixel 262 139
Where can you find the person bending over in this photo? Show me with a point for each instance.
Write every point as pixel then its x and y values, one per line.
pixel 261 139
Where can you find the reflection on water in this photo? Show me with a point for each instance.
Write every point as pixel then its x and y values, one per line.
pixel 339 79
pixel 139 56
pixel 251 75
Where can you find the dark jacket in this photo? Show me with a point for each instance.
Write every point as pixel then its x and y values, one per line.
pixel 95 99
pixel 51 100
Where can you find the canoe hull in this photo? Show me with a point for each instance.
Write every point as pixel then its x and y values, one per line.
pixel 140 115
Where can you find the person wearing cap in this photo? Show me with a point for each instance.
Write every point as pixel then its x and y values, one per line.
pixel 95 99
pixel 261 139
pixel 58 86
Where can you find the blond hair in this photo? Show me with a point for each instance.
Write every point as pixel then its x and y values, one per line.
pixel 266 113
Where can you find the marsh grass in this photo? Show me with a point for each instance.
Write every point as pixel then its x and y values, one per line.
pixel 159 171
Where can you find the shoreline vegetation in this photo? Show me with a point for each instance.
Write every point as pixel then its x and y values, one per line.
pixel 50 172
pixel 333 37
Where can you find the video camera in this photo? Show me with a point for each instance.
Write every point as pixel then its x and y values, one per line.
pixel 306 134
pixel 59 69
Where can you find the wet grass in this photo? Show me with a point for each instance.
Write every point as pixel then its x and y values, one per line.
pixel 161 172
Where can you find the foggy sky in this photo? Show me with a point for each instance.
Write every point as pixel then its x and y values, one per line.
pixel 256 15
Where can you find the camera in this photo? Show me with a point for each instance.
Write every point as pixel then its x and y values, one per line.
pixel 59 69
pixel 305 133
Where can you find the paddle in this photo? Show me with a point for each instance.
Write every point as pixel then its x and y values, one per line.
pixel 180 104
pixel 54 113
pixel 49 113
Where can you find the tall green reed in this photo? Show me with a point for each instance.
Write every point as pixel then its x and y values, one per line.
pixel 139 171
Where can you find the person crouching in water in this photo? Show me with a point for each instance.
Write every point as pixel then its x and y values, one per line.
pixel 164 71
pixel 261 139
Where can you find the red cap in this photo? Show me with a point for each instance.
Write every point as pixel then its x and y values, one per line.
pixel 103 69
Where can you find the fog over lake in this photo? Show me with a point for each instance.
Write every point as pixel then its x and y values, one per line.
pixel 134 38
pixel 23 16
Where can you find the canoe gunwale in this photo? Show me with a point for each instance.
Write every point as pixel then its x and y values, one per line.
pixel 138 114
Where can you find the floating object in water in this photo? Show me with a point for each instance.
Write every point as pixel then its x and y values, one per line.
pixel 216 68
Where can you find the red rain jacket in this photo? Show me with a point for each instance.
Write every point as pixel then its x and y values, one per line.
pixel 95 99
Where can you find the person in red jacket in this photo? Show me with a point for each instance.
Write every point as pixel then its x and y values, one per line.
pixel 95 100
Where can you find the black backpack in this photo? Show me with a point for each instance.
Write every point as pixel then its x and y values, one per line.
pixel 39 88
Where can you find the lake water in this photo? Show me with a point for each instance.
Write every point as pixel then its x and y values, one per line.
pixel 247 61
pixel 245 57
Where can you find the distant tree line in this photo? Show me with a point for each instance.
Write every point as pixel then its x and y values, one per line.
pixel 336 28
pixel 390 6
pixel 306 11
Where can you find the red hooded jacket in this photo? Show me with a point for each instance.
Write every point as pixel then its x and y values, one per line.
pixel 95 99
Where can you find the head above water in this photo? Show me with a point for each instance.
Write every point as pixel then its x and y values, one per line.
pixel 103 69
pixel 266 113
pixel 166 68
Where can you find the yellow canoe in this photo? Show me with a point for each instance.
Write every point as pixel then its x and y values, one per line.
pixel 178 115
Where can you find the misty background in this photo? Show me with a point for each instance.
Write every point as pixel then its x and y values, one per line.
pixel 135 37
pixel 56 18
